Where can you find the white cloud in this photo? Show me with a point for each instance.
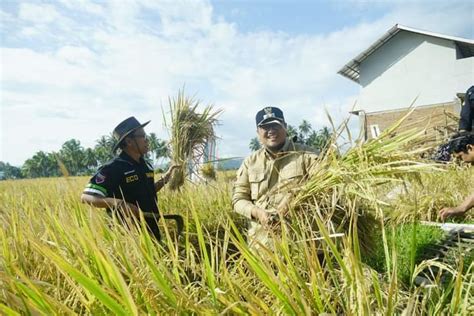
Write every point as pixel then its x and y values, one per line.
pixel 24 66
pixel 136 54
pixel 30 31
pixel 83 5
pixel 38 13
pixel 76 55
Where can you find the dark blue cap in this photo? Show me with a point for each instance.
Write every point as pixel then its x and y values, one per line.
pixel 269 114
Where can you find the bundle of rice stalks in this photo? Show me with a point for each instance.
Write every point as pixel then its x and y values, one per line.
pixel 208 171
pixel 343 191
pixel 189 133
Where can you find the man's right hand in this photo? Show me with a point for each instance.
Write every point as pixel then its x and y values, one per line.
pixel 260 215
pixel 130 209
pixel 265 217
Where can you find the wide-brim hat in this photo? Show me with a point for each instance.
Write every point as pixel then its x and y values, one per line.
pixel 125 128
pixel 268 115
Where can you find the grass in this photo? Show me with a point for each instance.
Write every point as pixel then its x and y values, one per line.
pixel 409 250
pixel 62 257
pixel 59 256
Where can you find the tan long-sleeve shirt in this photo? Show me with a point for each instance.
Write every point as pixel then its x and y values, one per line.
pixel 263 180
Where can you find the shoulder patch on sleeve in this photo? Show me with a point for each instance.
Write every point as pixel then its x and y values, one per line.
pixel 100 178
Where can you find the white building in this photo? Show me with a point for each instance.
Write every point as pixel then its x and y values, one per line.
pixel 408 66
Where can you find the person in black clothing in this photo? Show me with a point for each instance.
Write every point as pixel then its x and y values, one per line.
pixel 461 148
pixel 126 183
pixel 467 112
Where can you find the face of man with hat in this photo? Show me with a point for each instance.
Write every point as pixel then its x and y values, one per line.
pixel 130 136
pixel 271 128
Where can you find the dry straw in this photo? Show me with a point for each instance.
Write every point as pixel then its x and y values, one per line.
pixel 341 188
pixel 190 131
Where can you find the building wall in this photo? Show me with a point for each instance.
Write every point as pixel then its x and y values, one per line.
pixel 439 119
pixel 413 67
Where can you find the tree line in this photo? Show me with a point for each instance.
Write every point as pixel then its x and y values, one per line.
pixel 304 134
pixel 75 160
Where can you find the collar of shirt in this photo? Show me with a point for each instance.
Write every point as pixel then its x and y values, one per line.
pixel 126 157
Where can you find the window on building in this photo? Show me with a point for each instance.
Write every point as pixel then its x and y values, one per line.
pixel 374 130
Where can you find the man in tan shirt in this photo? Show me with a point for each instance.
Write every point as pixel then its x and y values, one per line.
pixel 264 178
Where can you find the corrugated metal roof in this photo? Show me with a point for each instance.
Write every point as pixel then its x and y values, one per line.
pixel 351 69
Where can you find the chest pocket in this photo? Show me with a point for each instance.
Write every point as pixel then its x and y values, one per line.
pixel 292 172
pixel 256 178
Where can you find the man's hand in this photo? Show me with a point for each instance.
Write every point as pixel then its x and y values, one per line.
pixel 260 215
pixel 448 212
pixel 169 172
pixel 266 218
pixel 129 209
pixel 459 210
pixel 165 177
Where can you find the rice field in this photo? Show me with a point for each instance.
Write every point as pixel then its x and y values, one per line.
pixel 59 256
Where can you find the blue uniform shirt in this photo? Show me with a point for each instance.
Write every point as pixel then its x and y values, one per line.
pixel 124 178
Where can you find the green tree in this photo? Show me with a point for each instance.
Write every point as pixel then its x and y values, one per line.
pixel 73 156
pixel 291 132
pixel 305 129
pixel 319 140
pixel 254 144
pixel 42 164
pixel 158 148
pixel 90 160
pixel 103 149
pixel 9 171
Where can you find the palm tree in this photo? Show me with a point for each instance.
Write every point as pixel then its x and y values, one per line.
pixel 254 144
pixel 103 149
pixel 320 139
pixel 72 155
pixel 162 149
pixel 41 165
pixel 90 160
pixel 305 129
pixel 291 132
pixel 158 148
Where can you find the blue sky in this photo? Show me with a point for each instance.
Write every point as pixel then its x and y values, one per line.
pixel 74 69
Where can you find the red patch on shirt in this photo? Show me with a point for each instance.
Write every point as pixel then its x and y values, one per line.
pixel 100 178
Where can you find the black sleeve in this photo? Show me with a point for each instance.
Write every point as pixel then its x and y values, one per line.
pixel 467 113
pixel 104 183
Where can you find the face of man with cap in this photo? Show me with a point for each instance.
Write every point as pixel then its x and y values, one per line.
pixel 137 142
pixel 271 128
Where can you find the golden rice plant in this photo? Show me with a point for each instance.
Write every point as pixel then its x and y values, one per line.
pixel 208 171
pixel 58 256
pixel 338 185
pixel 189 130
pixel 62 257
